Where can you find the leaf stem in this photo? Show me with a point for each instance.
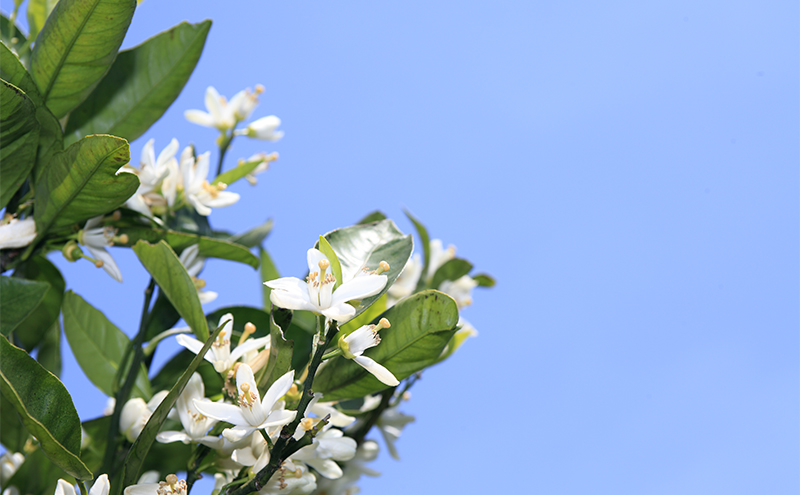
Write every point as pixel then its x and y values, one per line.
pixel 123 394
pixel 285 445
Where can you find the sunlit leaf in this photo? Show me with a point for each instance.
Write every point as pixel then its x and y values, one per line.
pixel 45 407
pixel 208 246
pixel 38 10
pixel 451 270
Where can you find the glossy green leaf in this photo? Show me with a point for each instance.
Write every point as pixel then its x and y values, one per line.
pixel 138 453
pixel 169 374
pixel 81 182
pixel 230 176
pixel 425 240
pixel 241 316
pixel 253 237
pixel 32 330
pixel 38 11
pixel 49 349
pixel 281 350
pixel 38 475
pixel 366 317
pixel 13 434
pixel 51 141
pixel 98 346
pixel 162 317
pixel 484 280
pixel 422 325
pixel 375 216
pixel 365 246
pixel 45 406
pixel 12 36
pixel 75 49
pixel 451 270
pixel 170 275
pixel 96 438
pixel 336 266
pixel 18 299
pixel 267 271
pixel 19 136
pixel 12 70
pixel 209 247
pixel 141 84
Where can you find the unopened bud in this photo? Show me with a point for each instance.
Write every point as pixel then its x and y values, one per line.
pixel 71 251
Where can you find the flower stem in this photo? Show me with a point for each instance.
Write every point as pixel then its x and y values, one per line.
pixel 285 445
pixel 223 148
pixel 124 393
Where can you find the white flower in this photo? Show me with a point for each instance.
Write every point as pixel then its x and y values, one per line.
pixel 195 425
pixel 406 282
pixel 264 128
pixel 101 486
pixel 194 264
pixel 96 238
pixel 460 290
pixel 136 413
pixel 151 172
pixel 316 294
pixel 438 257
pixel 328 446
pixel 9 463
pixel 220 354
pixel 353 470
pixel 322 409
pixel 292 479
pixel 263 160
pixel 391 424
pixel 244 102
pixel 196 189
pixel 172 486
pixel 252 413
pixel 17 233
pixel 218 115
pixel 361 339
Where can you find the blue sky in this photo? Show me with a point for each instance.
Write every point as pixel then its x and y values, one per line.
pixel 628 171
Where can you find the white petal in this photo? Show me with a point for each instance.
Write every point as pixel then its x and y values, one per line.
pixel 359 288
pixel 237 433
pixel 244 456
pixel 195 346
pixel 64 488
pixel 145 489
pixel 108 262
pixel 223 198
pixel 173 436
pixel 290 284
pixel 377 370
pixel 291 300
pixel 326 468
pixel 276 390
pixel 209 441
pixel 314 256
pixel 223 412
pixel 340 312
pixel 249 345
pixel 101 486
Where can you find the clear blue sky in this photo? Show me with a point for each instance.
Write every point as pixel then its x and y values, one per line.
pixel 628 171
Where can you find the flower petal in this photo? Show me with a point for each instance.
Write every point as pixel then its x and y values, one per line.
pixel 359 288
pixel 195 346
pixel 249 345
pixel 377 370
pixel 221 411
pixel 276 390
pixel 101 486
pixel 108 262
pixel 173 436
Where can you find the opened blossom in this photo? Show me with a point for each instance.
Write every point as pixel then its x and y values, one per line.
pixel 220 354
pixel 194 263
pixel 151 172
pixel 97 238
pixel 253 413
pixel 195 424
pixel 197 191
pixel 317 294
pixel 354 345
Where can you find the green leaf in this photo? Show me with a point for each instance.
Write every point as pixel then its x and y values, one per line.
pixel 18 299
pixel 484 280
pixel 170 275
pixel 169 374
pixel 280 351
pixel 336 266
pixel 51 141
pixel 98 346
pixel 422 325
pixel 209 247
pixel 38 10
pixel 12 70
pixel 11 35
pixel 81 182
pixel 138 453
pixel 366 317
pixel 141 85
pixel 45 406
pixel 37 475
pixel 267 272
pixel 241 316
pixel 375 216
pixel 163 316
pixel 451 270
pixel 19 136
pixel 365 246
pixel 96 438
pixel 13 434
pixel 49 353
pixel 230 176
pixel 253 237
pixel 425 240
pixel 33 329
pixel 75 49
